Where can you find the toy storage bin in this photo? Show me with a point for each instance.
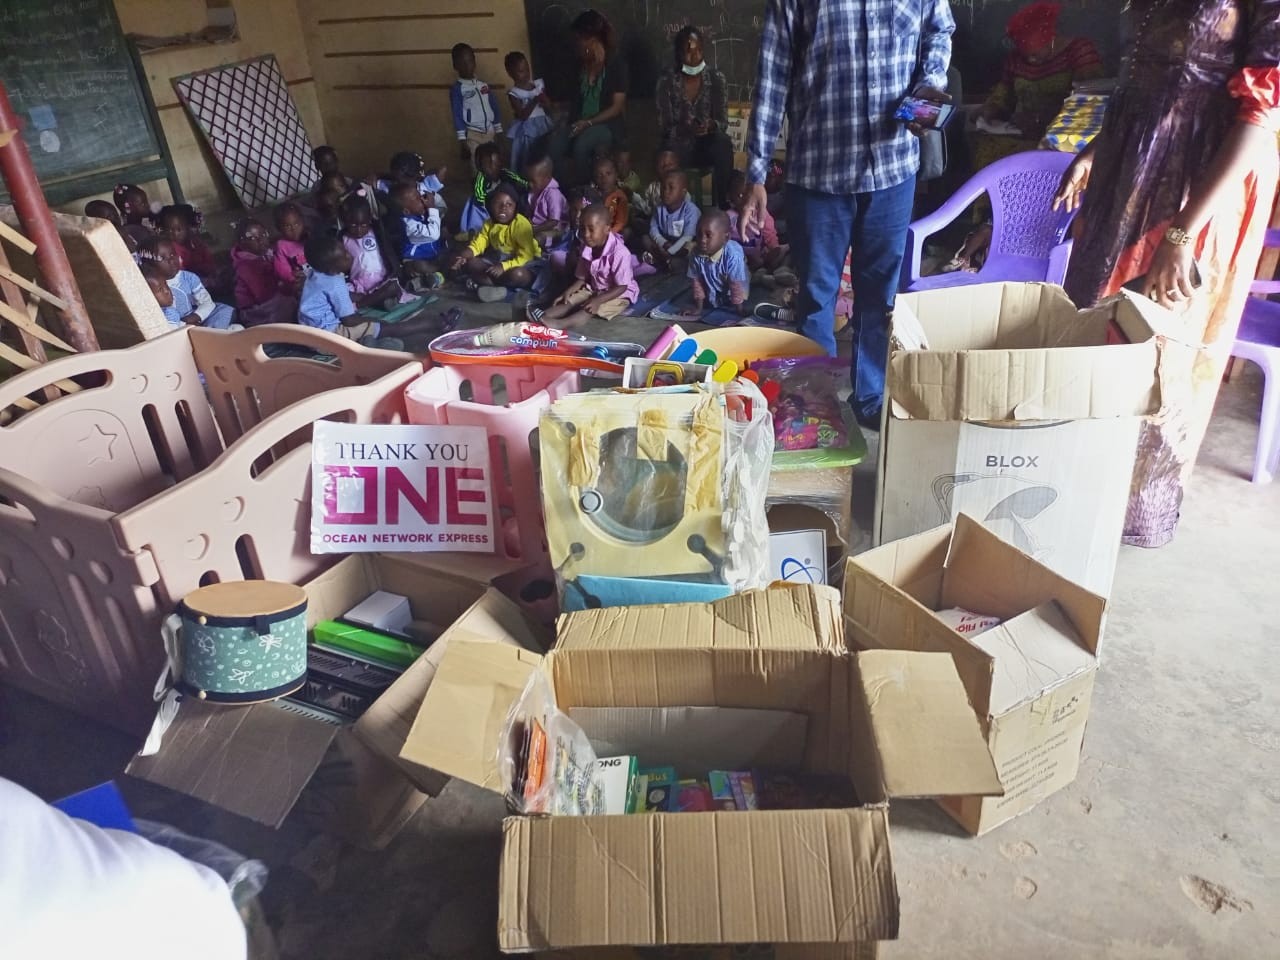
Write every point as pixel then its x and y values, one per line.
pixel 507 402
pixel 130 477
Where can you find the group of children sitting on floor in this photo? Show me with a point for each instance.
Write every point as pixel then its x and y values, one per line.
pixel 365 249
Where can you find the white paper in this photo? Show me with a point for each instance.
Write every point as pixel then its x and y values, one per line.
pixel 398 487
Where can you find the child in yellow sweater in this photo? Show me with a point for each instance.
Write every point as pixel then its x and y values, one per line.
pixel 499 257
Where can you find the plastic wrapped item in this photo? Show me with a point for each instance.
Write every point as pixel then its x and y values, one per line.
pixel 245 878
pixel 528 343
pixel 662 487
pixel 811 418
pixel 545 760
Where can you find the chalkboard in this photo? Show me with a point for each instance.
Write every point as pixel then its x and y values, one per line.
pixel 645 29
pixel 74 83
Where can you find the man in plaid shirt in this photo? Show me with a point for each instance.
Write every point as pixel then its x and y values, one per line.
pixel 839 69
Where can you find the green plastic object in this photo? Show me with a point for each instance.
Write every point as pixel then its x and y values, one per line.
pixel 363 642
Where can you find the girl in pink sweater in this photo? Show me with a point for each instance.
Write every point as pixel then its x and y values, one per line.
pixel 261 295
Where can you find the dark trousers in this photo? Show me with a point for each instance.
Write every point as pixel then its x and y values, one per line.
pixel 823 227
pixel 715 150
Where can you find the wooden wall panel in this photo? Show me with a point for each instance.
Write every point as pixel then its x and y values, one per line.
pixel 383 70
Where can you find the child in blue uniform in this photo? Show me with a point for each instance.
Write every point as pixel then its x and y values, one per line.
pixel 718 267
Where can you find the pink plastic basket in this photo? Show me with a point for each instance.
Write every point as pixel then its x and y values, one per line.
pixel 507 402
pixel 130 477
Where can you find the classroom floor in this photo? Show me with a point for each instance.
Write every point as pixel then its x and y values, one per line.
pixel 1165 848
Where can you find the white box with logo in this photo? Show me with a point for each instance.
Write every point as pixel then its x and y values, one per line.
pixel 1004 402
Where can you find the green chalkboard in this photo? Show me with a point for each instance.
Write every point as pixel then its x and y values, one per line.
pixel 74 82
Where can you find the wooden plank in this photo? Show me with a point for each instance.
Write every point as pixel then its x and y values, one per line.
pixel 39 292
pixel 18 240
pixel 32 328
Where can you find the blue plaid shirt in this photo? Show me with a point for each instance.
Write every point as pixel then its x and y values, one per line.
pixel 838 69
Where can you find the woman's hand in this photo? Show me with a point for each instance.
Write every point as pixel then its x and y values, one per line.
pixel 1169 277
pixel 578 127
pixel 1075 180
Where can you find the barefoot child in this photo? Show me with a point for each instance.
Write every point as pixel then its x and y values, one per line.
pixel 673 224
pixel 528 102
pixel 605 285
pixel 615 198
pixel 498 258
pixel 290 254
pixel 261 296
pixel 192 304
pixel 476 119
pixel 718 267
pixel 327 305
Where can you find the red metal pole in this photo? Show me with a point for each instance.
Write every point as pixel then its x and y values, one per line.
pixel 33 213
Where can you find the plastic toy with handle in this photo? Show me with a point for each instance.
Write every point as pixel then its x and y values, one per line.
pixel 519 344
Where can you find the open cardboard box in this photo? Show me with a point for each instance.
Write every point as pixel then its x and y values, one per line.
pixel 1005 402
pixel 896 723
pixel 1031 677
pixel 256 760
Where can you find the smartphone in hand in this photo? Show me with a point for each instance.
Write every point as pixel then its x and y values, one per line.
pixel 930 114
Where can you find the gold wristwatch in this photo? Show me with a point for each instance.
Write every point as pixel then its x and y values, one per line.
pixel 1177 236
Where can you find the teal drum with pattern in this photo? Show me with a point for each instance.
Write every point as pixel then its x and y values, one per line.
pixel 243 642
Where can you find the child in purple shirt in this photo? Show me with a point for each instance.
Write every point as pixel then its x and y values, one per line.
pixel 548 209
pixel 605 284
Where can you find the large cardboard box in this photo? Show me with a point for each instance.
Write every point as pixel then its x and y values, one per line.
pixel 1031 677
pixel 1005 402
pixel 256 761
pixel 897 723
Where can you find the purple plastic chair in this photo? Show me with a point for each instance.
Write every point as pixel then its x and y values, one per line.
pixel 1259 341
pixel 1028 239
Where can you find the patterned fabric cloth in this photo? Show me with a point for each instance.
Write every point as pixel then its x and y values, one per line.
pixel 1199 67
pixel 608 269
pixel 678 117
pixel 1031 94
pixel 839 69
pixel 721 279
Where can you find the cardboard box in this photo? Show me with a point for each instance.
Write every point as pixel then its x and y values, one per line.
pixel 1005 402
pixel 897 723
pixel 1031 677
pixel 256 760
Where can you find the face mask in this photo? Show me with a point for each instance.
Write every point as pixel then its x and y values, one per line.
pixel 694 71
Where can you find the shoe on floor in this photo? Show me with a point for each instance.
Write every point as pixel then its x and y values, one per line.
pixel 486 293
pixel 868 421
pixel 772 313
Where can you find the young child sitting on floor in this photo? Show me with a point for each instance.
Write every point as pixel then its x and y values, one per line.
pixel 673 224
pixel 135 209
pixel 665 161
pixel 326 302
pixel 528 102
pixel 718 267
pixel 409 167
pixel 179 223
pixel 547 204
pixel 563 255
pixel 101 210
pixel 615 198
pixel 499 256
pixel 605 284
pixel 489 174
pixel 476 119
pixel 191 304
pixel 764 252
pixel 328 203
pixel 414 226
pixel 261 296
pixel 371 282
pixel 629 180
pixel 290 253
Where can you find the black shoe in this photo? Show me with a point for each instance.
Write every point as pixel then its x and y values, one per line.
pixel 868 421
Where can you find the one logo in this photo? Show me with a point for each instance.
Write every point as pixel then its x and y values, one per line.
pixel 1017 503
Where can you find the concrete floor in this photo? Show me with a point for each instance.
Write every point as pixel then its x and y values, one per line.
pixel 1166 847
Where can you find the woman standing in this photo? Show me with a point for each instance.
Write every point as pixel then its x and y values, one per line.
pixel 597 120
pixel 1185 170
pixel 693 112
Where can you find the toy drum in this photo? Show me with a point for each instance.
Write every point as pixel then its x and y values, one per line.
pixel 241 642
